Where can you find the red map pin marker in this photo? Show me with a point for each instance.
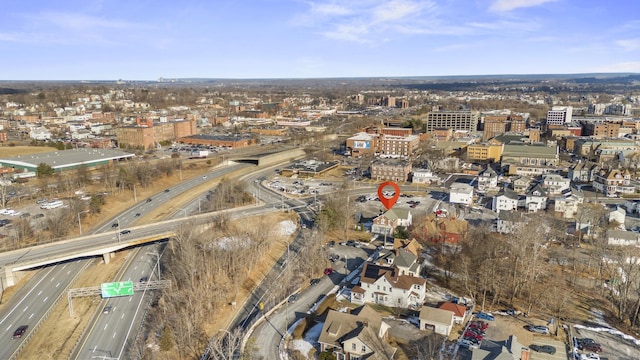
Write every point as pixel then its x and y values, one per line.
pixel 388 202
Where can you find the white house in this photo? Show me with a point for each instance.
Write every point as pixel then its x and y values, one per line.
pixel 387 223
pixel 383 285
pixel 568 205
pixel 460 193
pixel 623 238
pixel 536 199
pixel 555 184
pixel 508 221
pixel 618 215
pixel 487 180
pixel 40 133
pixel 505 201
pixel 438 320
pixel 424 176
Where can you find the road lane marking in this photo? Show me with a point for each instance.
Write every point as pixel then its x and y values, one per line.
pixel 105 327
pixel 68 272
pixel 53 278
pixel 114 335
pixel 25 309
pixel 39 292
pixel 58 284
pixel 122 317
pixel 94 348
pixel 32 289
pixel 31 315
pixel 9 327
pixel 130 299
pixel 45 299
pixel 135 268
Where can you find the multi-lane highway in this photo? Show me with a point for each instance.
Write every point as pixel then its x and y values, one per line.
pixel 30 304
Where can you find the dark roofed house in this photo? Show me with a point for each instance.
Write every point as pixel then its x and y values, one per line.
pixel 357 335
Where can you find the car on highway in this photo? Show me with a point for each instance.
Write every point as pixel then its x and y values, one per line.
pixel 144 279
pixel 149 200
pixel 125 232
pixel 20 331
pixel 485 316
pixel 106 310
pixel 547 349
pixel 167 190
pixel 538 329
pixel 204 176
pixel 115 225
pixel 137 215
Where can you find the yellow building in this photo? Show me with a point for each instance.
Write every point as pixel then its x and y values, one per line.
pixel 488 151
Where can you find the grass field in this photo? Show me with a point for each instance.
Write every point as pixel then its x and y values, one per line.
pixel 10 151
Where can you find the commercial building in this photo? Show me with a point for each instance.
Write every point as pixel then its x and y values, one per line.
pixel 488 151
pixel 391 170
pixel 63 160
pixel 147 134
pixel 559 115
pixel 456 120
pixel 219 140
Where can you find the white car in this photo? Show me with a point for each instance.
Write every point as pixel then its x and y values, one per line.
pixel 468 344
pixel 591 356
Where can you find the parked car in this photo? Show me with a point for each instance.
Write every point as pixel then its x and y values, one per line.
pixel 468 344
pixel 20 331
pixel 590 356
pixel 314 281
pixel 351 243
pixel 547 349
pixel 593 347
pixel 538 329
pixel 485 316
pixel 479 324
pixel 292 298
pixel 328 271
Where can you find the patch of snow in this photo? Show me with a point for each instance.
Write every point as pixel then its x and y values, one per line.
pixel 226 242
pixel 599 318
pixel 287 227
pixel 309 341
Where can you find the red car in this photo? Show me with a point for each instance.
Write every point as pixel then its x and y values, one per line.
pixel 472 335
pixel 593 347
pixel 328 271
pixel 478 325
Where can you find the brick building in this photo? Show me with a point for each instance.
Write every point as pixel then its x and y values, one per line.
pixel 397 171
pixel 146 133
pixel 219 140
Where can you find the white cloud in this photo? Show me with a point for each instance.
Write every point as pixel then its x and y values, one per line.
pixel 398 9
pixel 629 44
pixel 78 21
pixel 508 5
pixel 330 9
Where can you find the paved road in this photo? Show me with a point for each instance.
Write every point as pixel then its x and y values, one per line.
pixel 31 303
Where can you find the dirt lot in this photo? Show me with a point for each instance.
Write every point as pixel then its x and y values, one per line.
pixel 10 151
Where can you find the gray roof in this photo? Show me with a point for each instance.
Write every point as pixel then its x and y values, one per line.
pixel 509 194
pixel 66 158
pixel 435 315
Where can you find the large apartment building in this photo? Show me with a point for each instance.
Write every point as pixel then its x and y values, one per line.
pixel 146 134
pixel 559 115
pixel 456 120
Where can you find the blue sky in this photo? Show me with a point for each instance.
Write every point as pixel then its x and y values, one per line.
pixel 148 39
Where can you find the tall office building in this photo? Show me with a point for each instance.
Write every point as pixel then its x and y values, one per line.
pixel 456 120
pixel 559 115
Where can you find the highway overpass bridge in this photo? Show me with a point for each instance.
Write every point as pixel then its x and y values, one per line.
pixel 269 158
pixel 102 244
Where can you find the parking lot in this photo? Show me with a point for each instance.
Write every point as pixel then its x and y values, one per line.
pixel 614 346
pixel 503 327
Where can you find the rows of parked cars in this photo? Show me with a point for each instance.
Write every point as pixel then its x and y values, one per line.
pixel 474 334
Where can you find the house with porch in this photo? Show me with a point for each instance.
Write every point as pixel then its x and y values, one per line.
pixel 359 334
pixel 536 199
pixel 384 285
pixel 387 223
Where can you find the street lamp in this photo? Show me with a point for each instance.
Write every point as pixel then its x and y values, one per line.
pixel 80 222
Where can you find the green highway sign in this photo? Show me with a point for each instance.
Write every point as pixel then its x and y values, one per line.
pixel 115 289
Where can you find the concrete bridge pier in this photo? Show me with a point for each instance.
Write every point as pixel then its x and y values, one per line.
pixel 107 257
pixel 9 279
